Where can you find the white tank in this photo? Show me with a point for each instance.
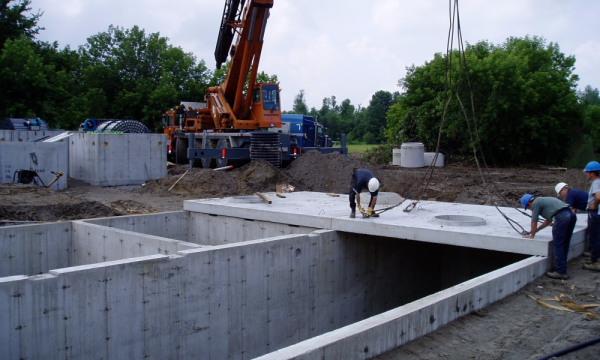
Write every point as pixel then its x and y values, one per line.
pixel 429 159
pixel 412 155
pixel 396 156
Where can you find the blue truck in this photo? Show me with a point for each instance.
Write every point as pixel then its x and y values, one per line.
pixel 308 132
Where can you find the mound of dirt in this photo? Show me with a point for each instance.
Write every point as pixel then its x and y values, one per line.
pixel 64 211
pixel 254 177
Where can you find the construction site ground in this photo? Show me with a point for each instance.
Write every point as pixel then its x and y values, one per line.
pixel 514 328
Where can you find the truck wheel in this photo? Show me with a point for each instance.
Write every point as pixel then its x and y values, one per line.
pixel 207 163
pixel 197 145
pixel 223 144
pixel 180 151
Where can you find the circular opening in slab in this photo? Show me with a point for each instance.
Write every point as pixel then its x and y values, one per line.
pixel 458 220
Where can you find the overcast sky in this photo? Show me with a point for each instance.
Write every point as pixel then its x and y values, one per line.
pixel 346 48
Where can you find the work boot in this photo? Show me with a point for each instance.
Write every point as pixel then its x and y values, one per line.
pixel 352 215
pixel 374 215
pixel 557 275
pixel 587 254
pixel 592 266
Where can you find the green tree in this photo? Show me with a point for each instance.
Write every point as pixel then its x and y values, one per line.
pixel 300 106
pixel 14 23
pixel 128 74
pixel 590 96
pixel 524 97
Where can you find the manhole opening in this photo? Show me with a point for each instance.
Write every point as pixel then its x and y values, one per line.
pixel 459 220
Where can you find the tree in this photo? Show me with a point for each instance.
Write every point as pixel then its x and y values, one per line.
pixel 128 74
pixel 590 96
pixel 14 24
pixel 300 106
pixel 378 108
pixel 524 97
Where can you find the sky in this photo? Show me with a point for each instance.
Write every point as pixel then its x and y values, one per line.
pixel 346 48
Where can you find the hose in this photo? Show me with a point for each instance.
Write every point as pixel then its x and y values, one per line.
pixel 571 349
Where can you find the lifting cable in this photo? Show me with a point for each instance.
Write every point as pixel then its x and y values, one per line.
pixel 454 18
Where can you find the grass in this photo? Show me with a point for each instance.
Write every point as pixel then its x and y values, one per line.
pixel 357 149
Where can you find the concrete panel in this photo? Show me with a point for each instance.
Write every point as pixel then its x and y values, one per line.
pixel 94 244
pixel 98 158
pixel 41 157
pixel 172 225
pixel 393 328
pixel 20 136
pixel 210 229
pixel 319 210
pixel 35 249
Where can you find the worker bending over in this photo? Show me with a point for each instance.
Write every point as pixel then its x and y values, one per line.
pixel 564 222
pixel 363 179
pixel 577 199
pixel 592 171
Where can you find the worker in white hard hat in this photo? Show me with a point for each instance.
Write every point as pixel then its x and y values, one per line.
pixel 577 199
pixel 363 179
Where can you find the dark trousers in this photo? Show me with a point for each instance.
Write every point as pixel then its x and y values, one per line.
pixel 594 234
pixel 562 230
pixel 352 194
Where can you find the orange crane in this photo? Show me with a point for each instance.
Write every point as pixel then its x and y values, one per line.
pixel 242 119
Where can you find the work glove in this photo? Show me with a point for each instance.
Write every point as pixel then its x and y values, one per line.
pixel 362 211
pixel 370 211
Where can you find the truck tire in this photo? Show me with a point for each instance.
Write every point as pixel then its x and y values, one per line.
pixel 197 145
pixel 223 144
pixel 207 163
pixel 181 151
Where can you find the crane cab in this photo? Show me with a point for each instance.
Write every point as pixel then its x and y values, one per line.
pixel 266 106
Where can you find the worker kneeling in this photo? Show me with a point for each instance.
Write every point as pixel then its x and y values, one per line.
pixel 562 230
pixel 363 179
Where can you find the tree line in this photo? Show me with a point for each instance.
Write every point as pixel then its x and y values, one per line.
pixel 525 103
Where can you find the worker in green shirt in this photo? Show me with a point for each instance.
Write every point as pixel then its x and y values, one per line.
pixel 564 222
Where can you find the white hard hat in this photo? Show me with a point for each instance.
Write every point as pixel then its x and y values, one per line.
pixel 559 187
pixel 373 185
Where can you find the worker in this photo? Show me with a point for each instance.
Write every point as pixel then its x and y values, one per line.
pixel 592 171
pixel 577 199
pixel 551 208
pixel 363 179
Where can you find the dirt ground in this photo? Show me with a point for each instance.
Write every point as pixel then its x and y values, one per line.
pixel 514 328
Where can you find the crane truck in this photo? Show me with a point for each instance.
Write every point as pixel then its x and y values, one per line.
pixel 242 118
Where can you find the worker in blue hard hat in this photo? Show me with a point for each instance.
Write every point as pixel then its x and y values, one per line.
pixel 592 171
pixel 363 179
pixel 551 208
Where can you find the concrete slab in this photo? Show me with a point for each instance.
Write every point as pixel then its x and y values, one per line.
pixel 323 211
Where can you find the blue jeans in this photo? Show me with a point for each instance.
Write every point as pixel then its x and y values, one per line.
pixel 594 234
pixel 562 230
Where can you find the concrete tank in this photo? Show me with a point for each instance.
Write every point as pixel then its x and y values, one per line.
pixel 429 159
pixel 396 154
pixel 412 155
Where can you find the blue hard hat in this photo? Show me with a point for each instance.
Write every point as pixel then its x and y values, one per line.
pixel 592 166
pixel 525 200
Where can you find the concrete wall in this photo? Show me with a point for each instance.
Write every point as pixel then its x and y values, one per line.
pixel 202 229
pixel 12 135
pixel 35 249
pixel 235 301
pixel 48 157
pixel 208 229
pixel 117 159
pixel 172 225
pixel 95 244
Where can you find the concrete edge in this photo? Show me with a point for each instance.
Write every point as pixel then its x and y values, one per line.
pixel 203 206
pixel 93 220
pixel 82 268
pixel 387 331
pixel 133 233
